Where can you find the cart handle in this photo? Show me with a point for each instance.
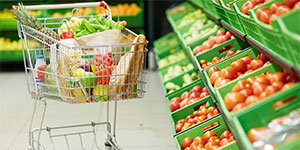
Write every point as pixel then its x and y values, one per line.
pixel 61 6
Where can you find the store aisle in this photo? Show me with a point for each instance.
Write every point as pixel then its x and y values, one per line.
pixel 142 124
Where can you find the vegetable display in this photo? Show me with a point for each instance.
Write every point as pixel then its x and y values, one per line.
pixel 176 70
pixel 216 59
pixel 250 4
pixel 171 59
pixel 213 41
pixel 197 117
pixel 191 17
pixel 209 141
pixel 187 79
pixel 197 25
pixel 200 34
pixel 188 97
pixel 236 69
pixel 254 89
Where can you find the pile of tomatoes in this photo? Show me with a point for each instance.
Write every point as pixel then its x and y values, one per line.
pixel 198 116
pixel 104 67
pixel 277 9
pixel 209 141
pixel 213 41
pixel 188 98
pixel 254 89
pixel 237 68
pixel 216 59
pixel 251 4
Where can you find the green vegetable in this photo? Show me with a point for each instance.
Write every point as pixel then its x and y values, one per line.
pixel 170 86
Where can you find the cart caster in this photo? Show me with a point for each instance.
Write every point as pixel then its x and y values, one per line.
pixel 107 146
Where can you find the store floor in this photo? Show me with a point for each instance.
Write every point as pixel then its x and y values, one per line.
pixel 142 124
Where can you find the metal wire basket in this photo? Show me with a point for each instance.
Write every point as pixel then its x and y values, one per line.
pixel 109 69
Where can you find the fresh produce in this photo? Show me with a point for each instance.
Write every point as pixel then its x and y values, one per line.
pixel 208 141
pixel 180 9
pixel 188 97
pixel 50 79
pixel 101 93
pixel 65 27
pixel 277 9
pixel 200 34
pixel 67 35
pixel 196 117
pixel 121 10
pixel 88 79
pixel 7 44
pixel 254 89
pixel 191 17
pixel 197 26
pixel 28 19
pixel 216 59
pixel 251 4
pixel 171 59
pixel 176 70
pixel 213 41
pixel 95 24
pixel 187 79
pixel 274 127
pixel 237 69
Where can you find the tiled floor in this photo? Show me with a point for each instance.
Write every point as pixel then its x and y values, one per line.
pixel 142 124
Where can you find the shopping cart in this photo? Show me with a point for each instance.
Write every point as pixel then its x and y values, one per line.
pixel 109 70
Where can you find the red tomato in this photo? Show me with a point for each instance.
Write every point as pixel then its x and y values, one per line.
pixel 195 95
pixel 185 95
pixel 288 85
pixel 297 5
pixel 278 85
pixel 209 146
pixel 202 62
pixel 214 140
pixel 203 94
pixel 262 57
pixel 240 85
pixel 290 3
pixel 186 142
pixel 176 99
pixel 232 99
pixel 210 109
pixel 197 88
pixel 259 88
pixel 247 59
pixel 215 112
pixel 184 102
pixel 282 10
pixel 204 89
pixel 202 118
pixel 226 134
pixel 224 141
pixel 221 32
pixel 275 6
pixel 212 38
pixel 193 146
pixel 212 70
pixel 220 82
pixel 261 79
pixel 247 6
pixel 229 73
pixel 230 53
pixel 238 107
pixel 209 134
pixel 246 92
pixel 255 134
pixel 273 16
pixel 197 49
pixel 275 77
pixel 220 39
pixel 265 16
pixel 103 76
pixel 178 127
pixel 251 80
pixel 207 44
pixel 200 140
pixel 270 90
pixel 239 65
pixel 215 60
pixel 231 139
pixel 214 76
pixel 256 63
pixel 251 99
pixel 174 106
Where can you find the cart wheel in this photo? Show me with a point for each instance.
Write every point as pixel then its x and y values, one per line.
pixel 107 146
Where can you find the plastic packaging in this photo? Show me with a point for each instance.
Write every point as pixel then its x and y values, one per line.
pixel 40 65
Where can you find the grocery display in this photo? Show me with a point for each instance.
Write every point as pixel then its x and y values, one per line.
pixel 241 74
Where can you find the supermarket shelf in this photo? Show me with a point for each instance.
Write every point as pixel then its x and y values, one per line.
pixel 291 69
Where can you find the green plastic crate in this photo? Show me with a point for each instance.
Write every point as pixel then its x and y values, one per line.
pixel 222 91
pixel 211 8
pixel 178 81
pixel 271 35
pixel 166 52
pixel 197 131
pixel 290 29
pixel 214 52
pixel 180 14
pixel 232 16
pixel 253 53
pixel 188 110
pixel 220 10
pixel 248 23
pixel 165 42
pixel 198 3
pixel 182 63
pixel 264 112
